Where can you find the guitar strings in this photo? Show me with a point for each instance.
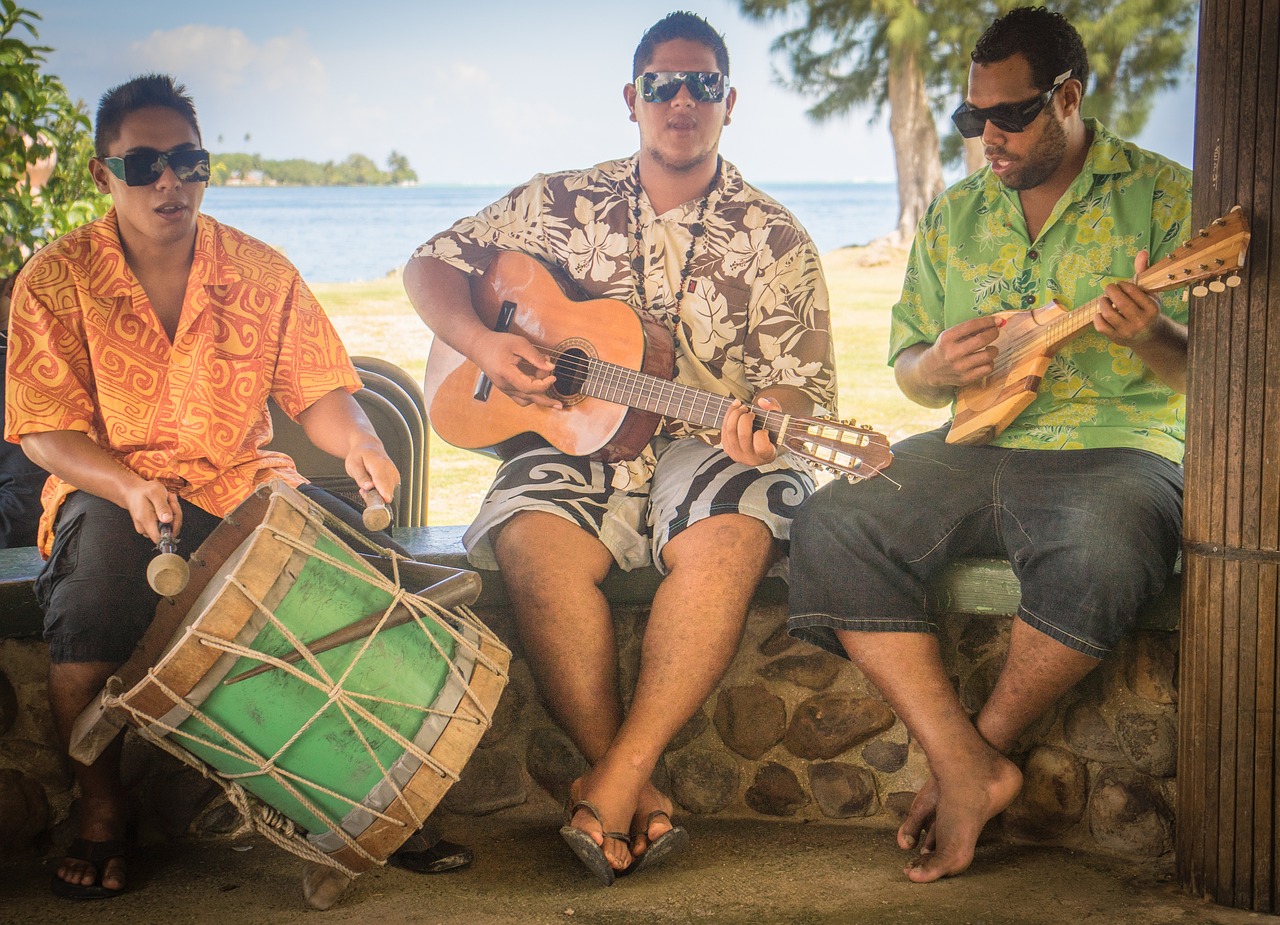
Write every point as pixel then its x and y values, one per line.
pixel 621 379
pixel 650 387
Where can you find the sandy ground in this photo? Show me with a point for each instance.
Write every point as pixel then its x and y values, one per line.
pixel 734 871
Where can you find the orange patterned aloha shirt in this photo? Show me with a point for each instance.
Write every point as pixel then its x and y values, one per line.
pixel 87 353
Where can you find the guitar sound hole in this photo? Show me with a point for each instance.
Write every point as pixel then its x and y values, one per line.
pixel 571 371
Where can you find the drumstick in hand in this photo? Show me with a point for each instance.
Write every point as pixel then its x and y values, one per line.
pixel 168 572
pixel 376 516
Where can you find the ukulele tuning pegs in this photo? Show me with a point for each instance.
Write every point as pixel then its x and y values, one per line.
pixel 1200 290
pixel 1217 286
pixel 1233 280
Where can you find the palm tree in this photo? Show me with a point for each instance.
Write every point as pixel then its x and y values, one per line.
pixel 913 56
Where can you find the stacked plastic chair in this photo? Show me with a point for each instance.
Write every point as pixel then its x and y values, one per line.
pixel 398 387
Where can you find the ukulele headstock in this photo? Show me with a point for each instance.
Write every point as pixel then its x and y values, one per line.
pixel 1210 260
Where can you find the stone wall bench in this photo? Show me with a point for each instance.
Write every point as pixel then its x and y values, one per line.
pixel 792 733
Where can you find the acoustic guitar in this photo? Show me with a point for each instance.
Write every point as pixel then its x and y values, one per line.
pixel 613 369
pixel 1029 339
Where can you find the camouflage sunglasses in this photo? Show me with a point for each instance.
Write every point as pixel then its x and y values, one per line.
pixel 662 86
pixel 142 168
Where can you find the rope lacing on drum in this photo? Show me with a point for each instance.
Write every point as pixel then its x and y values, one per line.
pixel 269 822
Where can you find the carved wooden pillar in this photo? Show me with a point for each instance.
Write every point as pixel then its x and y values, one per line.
pixel 1228 774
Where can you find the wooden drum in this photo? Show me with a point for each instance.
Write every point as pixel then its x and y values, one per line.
pixel 367 700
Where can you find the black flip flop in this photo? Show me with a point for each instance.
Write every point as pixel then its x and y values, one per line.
pixel 584 846
pixel 674 840
pixel 96 853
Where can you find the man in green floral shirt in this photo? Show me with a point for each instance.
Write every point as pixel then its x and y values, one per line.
pixel 675 232
pixel 1063 211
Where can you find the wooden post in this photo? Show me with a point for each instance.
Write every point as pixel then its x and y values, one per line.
pixel 1228 775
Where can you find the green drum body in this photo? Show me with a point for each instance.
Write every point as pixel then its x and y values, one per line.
pixel 356 741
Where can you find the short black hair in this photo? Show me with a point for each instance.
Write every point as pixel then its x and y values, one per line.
pixel 139 93
pixel 1050 44
pixel 680 25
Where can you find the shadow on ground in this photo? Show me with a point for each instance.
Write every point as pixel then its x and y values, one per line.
pixel 734 871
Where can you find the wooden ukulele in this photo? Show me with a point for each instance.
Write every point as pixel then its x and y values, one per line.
pixel 613 371
pixel 1028 340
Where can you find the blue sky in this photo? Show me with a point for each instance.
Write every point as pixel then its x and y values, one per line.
pixel 487 91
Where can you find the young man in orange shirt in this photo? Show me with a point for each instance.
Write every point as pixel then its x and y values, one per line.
pixel 143 348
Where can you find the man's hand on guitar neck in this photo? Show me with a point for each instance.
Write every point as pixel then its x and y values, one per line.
pixel 930 374
pixel 1130 316
pixel 741 437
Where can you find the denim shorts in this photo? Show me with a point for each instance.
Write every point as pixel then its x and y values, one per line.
pixel 93 589
pixel 691 482
pixel 1091 534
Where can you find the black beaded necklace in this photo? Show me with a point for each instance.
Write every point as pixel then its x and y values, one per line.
pixel 696 230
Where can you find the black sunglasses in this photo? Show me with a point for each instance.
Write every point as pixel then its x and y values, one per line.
pixel 142 168
pixel 1008 117
pixel 662 86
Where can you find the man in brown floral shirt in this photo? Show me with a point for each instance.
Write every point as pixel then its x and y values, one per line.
pixel 676 233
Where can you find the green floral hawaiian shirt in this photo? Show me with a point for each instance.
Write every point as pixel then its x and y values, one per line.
pixel 972 256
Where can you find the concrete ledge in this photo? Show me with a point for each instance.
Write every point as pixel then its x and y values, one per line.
pixel 791 733
pixel 973 586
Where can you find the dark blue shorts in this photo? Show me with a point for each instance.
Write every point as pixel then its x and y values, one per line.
pixel 93 589
pixel 1091 534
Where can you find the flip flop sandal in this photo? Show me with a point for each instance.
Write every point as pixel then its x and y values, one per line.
pixel 96 853
pixel 584 846
pixel 670 842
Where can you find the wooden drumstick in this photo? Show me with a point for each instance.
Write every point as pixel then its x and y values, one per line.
pixel 168 572
pixel 376 516
pixel 447 592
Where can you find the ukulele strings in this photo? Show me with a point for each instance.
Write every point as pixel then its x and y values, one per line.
pixel 1031 342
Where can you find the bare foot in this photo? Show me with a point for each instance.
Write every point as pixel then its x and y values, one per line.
pixel 967 799
pixel 613 813
pixel 917 827
pixel 646 827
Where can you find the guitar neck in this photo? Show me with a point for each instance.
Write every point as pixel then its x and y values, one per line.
pixel 623 386
pixel 1071 324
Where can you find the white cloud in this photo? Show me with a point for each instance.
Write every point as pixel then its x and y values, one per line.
pixel 228 59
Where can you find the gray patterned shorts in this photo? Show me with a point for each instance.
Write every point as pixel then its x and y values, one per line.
pixel 692 481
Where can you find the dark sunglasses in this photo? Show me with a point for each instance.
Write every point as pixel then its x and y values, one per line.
pixel 142 168
pixel 1008 117
pixel 662 86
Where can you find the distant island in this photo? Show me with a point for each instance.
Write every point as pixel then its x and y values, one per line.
pixel 356 170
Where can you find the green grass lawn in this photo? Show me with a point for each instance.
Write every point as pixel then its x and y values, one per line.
pixel 375 319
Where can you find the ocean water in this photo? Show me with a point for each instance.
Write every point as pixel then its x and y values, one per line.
pixel 347 233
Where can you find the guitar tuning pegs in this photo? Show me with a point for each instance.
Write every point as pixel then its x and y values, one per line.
pixel 1217 285
pixel 1200 290
pixel 1233 280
